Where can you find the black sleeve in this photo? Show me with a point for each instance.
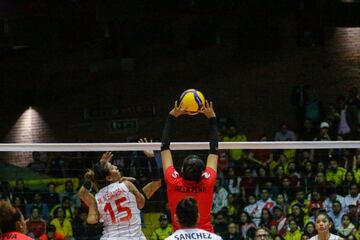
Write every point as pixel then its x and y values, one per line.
pixel 167 133
pixel 154 169
pixel 213 136
pixel 141 190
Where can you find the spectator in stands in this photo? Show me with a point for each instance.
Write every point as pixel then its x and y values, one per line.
pixel 79 225
pixel 5 191
pixel 220 226
pixel 320 181
pixel 294 232
pixel 281 202
pixel 299 216
pixel 286 189
pixel 37 165
pixel 223 162
pixel 353 109
pixel 322 154
pixel 261 157
pixel 293 173
pixel 273 231
pixel 164 230
pixel 71 193
pixel 336 214
pixel 35 224
pixel 266 218
pixel 219 197
pixel 335 173
pixel 248 184
pixel 279 220
pixel 349 179
pixel 333 118
pixel 245 223
pixel 279 173
pixel 233 181
pixel 21 191
pixel 353 198
pixel 262 233
pixel 320 167
pixel 346 228
pixel 300 200
pixel 70 211
pixel 52 234
pixel 55 165
pixel 253 209
pixel 308 133
pixel 307 174
pixel 284 134
pixel 309 229
pixel 316 199
pixel 343 127
pixel 231 207
pixel 332 196
pixel 19 203
pixel 12 224
pixel 232 233
pixel 50 197
pixel 265 201
pixel 62 224
pixel 36 202
pixel 234 135
pixel 353 215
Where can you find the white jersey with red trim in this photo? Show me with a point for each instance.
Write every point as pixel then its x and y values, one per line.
pixel 119 213
pixel 193 234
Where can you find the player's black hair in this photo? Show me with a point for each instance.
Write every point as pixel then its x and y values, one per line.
pixel 187 212
pixel 97 176
pixel 192 168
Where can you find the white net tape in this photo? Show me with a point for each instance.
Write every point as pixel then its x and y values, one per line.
pixel 93 147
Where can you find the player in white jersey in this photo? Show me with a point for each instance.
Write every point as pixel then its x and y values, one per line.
pixel 117 203
pixel 187 215
pixel 323 225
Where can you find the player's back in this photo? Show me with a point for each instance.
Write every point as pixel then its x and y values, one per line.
pixel 193 234
pixel 119 213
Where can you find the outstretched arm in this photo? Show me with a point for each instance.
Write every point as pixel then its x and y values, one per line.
pixel 212 159
pixel 90 201
pixel 150 188
pixel 140 199
pixel 166 156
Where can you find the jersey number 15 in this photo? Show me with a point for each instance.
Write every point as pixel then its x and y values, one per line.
pixel 120 209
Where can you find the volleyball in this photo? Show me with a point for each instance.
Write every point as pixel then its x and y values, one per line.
pixel 191 100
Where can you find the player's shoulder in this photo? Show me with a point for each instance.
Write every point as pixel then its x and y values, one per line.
pixel 193 233
pixel 208 173
pixel 171 172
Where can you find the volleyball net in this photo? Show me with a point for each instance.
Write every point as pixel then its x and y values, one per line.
pixel 318 169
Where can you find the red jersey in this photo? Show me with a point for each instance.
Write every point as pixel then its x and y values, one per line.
pixel 14 235
pixel 36 227
pixel 202 192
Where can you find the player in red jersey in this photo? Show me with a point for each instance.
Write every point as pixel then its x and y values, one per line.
pixel 12 223
pixel 195 180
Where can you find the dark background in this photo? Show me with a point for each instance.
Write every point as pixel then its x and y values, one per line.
pixel 63 57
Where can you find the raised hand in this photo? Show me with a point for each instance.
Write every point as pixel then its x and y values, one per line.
pixel 208 109
pixel 106 157
pixel 148 153
pixel 177 111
